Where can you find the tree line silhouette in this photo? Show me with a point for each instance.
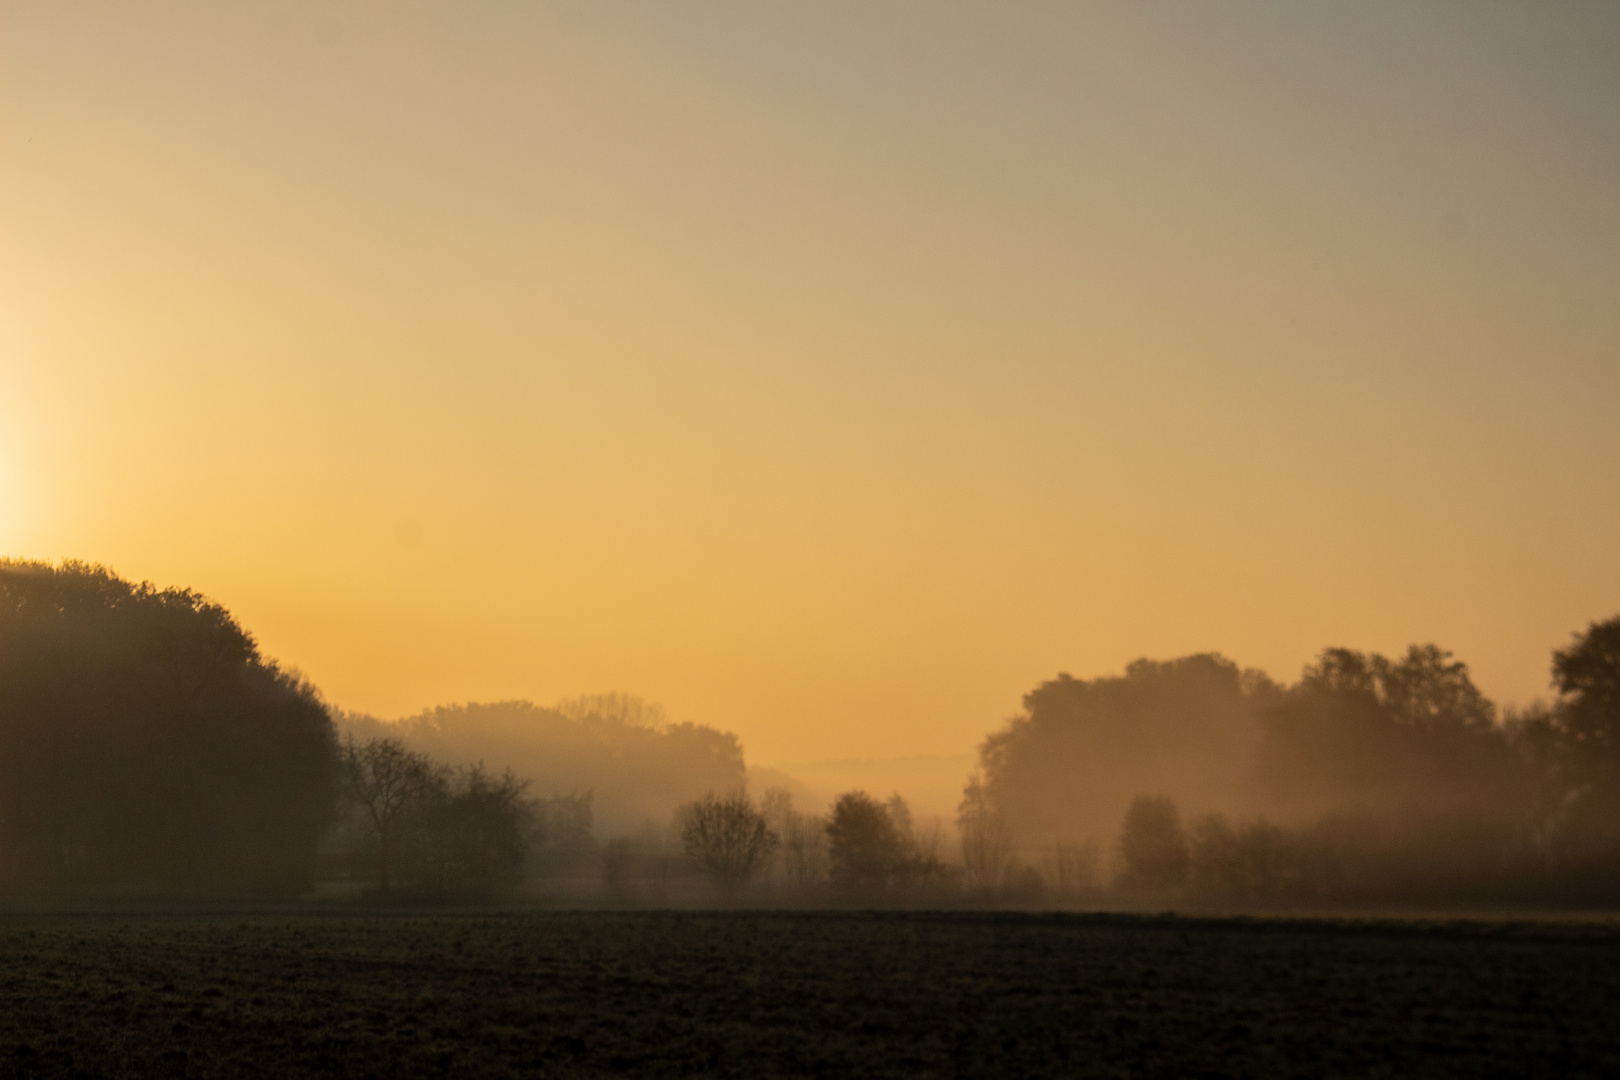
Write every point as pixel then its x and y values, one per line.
pixel 148 748
pixel 1370 780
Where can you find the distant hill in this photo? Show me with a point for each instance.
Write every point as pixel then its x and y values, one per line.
pixel 637 766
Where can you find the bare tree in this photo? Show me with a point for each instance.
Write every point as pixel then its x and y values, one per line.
pixel 986 846
pixel 727 836
pixel 1074 869
pixel 388 782
pixel 803 839
pixel 476 834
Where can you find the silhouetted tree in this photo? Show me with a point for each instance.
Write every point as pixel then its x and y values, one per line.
pixel 472 837
pixel 560 831
pixel 728 837
pixel 1249 864
pixel 1152 848
pixel 147 746
pixel 1364 732
pixel 803 839
pixel 1587 676
pixel 865 847
pixel 1580 739
pixel 393 788
pixel 986 845
pixel 434 831
pixel 919 863
pixel 1067 768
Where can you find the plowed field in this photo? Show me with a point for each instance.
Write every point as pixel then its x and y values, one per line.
pixel 802 994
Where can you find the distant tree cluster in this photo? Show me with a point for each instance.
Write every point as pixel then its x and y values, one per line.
pixel 862 848
pixel 873 846
pixel 428 830
pixel 801 842
pixel 637 765
pixel 1372 780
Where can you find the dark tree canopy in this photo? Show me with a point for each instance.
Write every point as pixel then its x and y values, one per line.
pixel 1577 744
pixel 1361 731
pixel 1153 850
pixel 1084 748
pixel 1426 687
pixel 1587 674
pixel 473 842
pixel 866 846
pixel 146 747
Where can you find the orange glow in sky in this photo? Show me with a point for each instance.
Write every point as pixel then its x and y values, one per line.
pixel 829 373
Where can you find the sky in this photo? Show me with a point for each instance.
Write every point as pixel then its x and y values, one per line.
pixel 830 373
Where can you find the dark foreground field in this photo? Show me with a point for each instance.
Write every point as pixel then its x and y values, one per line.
pixel 814 994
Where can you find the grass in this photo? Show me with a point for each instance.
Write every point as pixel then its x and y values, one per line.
pixel 758 994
